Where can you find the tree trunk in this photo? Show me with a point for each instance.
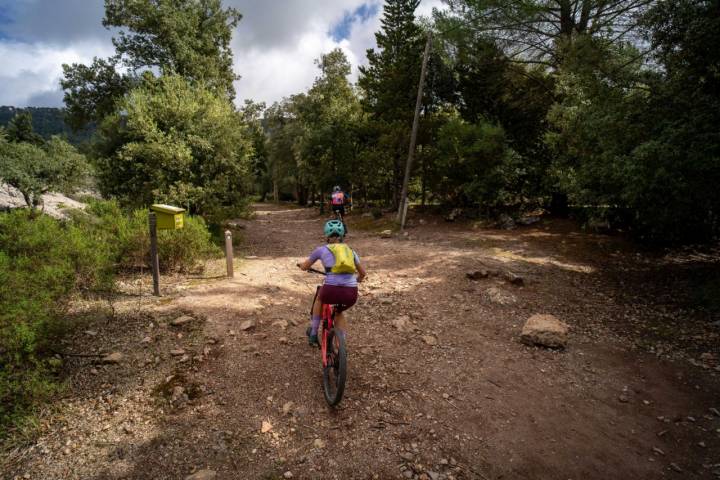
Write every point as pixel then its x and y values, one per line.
pixel 559 205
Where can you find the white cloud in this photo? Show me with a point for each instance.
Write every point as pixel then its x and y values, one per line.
pixel 33 71
pixel 274 46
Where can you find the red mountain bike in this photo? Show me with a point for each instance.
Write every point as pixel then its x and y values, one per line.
pixel 332 352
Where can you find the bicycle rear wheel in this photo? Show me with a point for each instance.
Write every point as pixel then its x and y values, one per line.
pixel 335 372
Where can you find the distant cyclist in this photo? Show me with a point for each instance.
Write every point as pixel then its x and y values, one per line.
pixel 338 201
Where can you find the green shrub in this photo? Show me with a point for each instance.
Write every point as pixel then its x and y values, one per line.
pixel 42 263
pixel 128 238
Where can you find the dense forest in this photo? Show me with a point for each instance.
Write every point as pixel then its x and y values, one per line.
pixel 604 110
pixel 46 122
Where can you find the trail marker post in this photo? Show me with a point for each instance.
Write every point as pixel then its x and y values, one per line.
pixel 163 217
pixel 154 260
pixel 229 253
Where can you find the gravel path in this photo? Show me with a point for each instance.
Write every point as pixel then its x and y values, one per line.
pixel 439 386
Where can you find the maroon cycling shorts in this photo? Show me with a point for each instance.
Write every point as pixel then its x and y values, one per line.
pixel 344 297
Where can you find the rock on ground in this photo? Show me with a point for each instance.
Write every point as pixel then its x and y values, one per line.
pixel 499 296
pixel 181 320
pixel 545 330
pixel 115 357
pixel 55 204
pixel 247 325
pixel 202 475
pixel 402 324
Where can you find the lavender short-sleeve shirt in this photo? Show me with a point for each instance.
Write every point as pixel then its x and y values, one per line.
pixel 327 259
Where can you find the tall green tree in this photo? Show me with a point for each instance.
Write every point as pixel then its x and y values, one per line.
pixel 545 31
pixel 190 38
pixel 389 83
pixel 174 140
pixel 35 170
pixel 20 129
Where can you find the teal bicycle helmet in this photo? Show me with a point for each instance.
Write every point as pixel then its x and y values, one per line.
pixel 334 227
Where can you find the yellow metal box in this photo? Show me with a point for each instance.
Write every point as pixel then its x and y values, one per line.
pixel 168 217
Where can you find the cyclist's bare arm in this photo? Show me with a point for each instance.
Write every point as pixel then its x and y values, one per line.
pixel 305 264
pixel 361 272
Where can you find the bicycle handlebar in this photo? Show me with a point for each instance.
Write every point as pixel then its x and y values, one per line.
pixel 312 270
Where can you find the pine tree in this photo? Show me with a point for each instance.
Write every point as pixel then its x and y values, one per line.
pixel 20 129
pixel 390 79
pixel 389 82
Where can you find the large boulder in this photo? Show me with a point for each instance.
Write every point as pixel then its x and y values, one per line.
pixel 544 330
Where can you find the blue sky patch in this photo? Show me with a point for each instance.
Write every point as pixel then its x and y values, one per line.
pixel 341 30
pixel 5 20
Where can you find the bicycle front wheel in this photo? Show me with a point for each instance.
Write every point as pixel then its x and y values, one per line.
pixel 335 372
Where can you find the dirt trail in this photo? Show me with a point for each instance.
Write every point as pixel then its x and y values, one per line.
pixel 477 405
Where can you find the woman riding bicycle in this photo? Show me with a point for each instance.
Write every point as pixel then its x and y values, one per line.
pixel 344 271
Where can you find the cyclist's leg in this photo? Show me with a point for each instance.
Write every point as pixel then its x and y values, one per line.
pixel 315 318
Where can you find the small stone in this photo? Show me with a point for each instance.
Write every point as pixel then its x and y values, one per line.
pixel 247 325
pixel 181 320
pixel 202 475
pixel 319 443
pixel 91 333
pixel 702 444
pixel 94 371
pixel 433 475
pixel 715 411
pixel 386 234
pixel 282 324
pixel 177 352
pixel 287 407
pixel 623 398
pixel 691 419
pixel 478 274
pixel 146 339
pixel 407 456
pixel 443 461
pixel 288 474
pixel 402 323
pixel 676 467
pixel 445 396
pixel 128 430
pixel 499 296
pixel 114 357
pixel 514 279
pixel 408 474
pixel 283 340
pixel 544 330
pixel 430 340
pixel 266 427
pixel 658 451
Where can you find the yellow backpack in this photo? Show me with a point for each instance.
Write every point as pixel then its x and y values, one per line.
pixel 344 258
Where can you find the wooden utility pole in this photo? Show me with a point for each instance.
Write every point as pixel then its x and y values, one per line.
pixel 402 211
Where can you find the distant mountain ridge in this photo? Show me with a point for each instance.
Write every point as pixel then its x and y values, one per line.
pixel 47 121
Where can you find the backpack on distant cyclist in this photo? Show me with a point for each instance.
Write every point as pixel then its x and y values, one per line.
pixel 344 258
pixel 338 198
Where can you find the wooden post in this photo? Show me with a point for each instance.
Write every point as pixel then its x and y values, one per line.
pixel 154 261
pixel 402 210
pixel 229 253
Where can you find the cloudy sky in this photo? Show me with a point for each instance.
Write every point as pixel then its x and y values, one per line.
pixel 274 45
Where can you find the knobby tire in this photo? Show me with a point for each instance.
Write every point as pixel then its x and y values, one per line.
pixel 335 373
